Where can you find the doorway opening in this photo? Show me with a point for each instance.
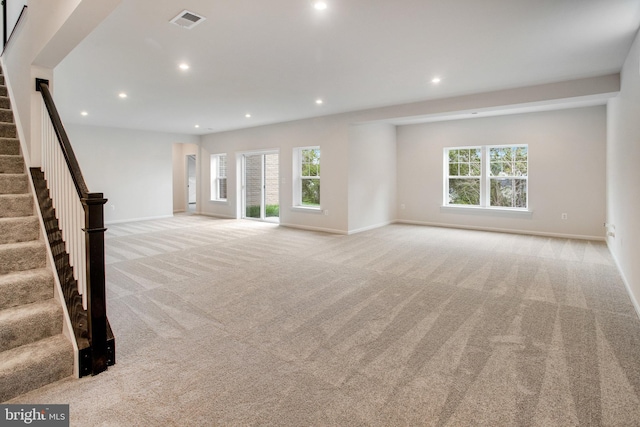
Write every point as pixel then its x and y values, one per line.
pixel 261 186
pixel 191 183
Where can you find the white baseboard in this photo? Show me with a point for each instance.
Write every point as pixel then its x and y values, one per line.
pixel 633 298
pixel 503 230
pixel 370 227
pixel 148 218
pixel 310 228
pixel 217 215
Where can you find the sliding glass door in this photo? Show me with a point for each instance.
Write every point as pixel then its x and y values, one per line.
pixel 261 190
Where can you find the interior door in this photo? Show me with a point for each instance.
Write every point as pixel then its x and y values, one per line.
pixel 191 183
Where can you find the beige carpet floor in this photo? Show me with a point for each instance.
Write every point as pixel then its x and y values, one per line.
pixel 223 322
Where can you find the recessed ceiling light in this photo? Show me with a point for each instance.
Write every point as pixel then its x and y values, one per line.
pixel 84 113
pixel 436 80
pixel 122 95
pixel 248 116
pixel 183 66
pixel 319 5
pixel 319 101
pixel 197 126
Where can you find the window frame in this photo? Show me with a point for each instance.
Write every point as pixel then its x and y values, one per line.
pixel 485 179
pixel 491 177
pixel 446 169
pixel 217 177
pixel 298 177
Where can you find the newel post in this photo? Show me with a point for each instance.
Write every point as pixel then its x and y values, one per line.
pixel 93 205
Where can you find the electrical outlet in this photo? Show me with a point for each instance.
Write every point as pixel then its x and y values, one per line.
pixel 564 216
pixel 326 212
pixel 402 206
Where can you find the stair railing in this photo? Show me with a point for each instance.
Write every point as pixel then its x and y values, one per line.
pixel 6 24
pixel 80 216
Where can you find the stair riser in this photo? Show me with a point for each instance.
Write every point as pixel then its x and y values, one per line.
pixel 16 205
pixel 29 324
pixel 13 184
pixel 25 288
pixel 11 164
pixel 6 116
pixel 7 130
pixel 9 146
pixel 15 230
pixel 21 258
pixel 33 351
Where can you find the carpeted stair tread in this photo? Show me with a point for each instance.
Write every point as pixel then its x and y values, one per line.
pixel 16 205
pixel 10 146
pixel 25 287
pixel 29 323
pixel 33 351
pixel 8 130
pixel 19 229
pixel 22 256
pixel 11 164
pixel 6 116
pixel 14 183
pixel 32 366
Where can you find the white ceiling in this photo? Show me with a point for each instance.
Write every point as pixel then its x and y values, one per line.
pixel 274 58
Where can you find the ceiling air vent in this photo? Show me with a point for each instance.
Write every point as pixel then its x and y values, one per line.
pixel 188 20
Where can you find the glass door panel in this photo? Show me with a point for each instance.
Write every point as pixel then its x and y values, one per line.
pixel 253 178
pixel 271 186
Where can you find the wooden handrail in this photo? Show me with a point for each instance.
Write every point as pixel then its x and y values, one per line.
pixel 4 24
pixel 6 39
pixel 42 86
pixel 93 206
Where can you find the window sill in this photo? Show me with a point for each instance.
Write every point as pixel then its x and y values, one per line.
pixel 308 209
pixel 220 201
pixel 475 210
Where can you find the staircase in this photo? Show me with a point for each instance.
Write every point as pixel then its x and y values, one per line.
pixel 33 350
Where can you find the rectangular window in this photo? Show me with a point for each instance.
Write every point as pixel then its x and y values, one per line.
pixel 465 165
pixel 307 176
pixel 219 177
pixel 508 177
pixel 487 176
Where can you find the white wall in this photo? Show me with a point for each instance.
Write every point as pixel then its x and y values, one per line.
pixel 49 30
pixel 134 169
pixel 372 176
pixel 333 135
pixel 623 173
pixel 546 96
pixel 180 152
pixel 566 170
pixel 14 8
pixel 330 133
